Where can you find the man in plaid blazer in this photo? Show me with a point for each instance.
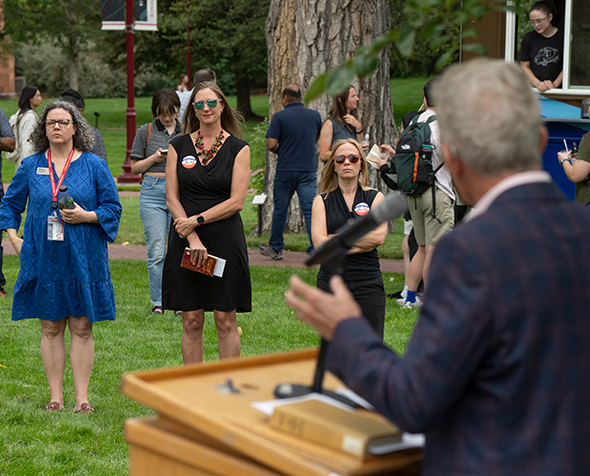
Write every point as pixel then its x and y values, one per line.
pixel 497 371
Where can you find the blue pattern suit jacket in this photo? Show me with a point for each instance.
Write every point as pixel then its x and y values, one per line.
pixel 497 371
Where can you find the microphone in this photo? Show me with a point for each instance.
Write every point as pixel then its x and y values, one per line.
pixel 391 208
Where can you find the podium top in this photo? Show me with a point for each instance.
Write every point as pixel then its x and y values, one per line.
pixel 189 395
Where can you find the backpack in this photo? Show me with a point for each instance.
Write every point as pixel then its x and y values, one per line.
pixel 18 147
pixel 413 158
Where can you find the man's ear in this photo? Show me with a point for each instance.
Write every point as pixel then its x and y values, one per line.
pixel 451 159
pixel 543 139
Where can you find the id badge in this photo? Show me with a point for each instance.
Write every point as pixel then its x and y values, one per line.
pixel 55 229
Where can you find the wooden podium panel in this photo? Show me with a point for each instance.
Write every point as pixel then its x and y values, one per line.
pixel 191 406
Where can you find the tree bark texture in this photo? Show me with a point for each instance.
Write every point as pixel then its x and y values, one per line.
pixel 306 38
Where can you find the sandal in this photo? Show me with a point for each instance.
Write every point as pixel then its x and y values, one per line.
pixel 157 310
pixel 52 407
pixel 85 409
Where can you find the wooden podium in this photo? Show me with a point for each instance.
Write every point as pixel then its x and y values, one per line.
pixel 201 431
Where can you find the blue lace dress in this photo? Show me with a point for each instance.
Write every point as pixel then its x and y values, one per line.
pixel 71 277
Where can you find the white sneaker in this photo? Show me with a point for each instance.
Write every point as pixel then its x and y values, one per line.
pixel 412 305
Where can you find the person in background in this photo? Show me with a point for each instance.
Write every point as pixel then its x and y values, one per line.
pixel 292 135
pixel 342 123
pixel 578 170
pixel 7 144
pixel 182 85
pixel 344 194
pixel 64 278
pixel 541 50
pixel 433 213
pixel 495 373
pixel 201 76
pixel 409 244
pixel 25 120
pixel 207 177
pixel 74 97
pixel 148 157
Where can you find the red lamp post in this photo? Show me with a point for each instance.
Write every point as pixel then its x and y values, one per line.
pixel 188 44
pixel 127 176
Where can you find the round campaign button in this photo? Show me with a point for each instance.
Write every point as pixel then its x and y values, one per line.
pixel 361 209
pixel 189 162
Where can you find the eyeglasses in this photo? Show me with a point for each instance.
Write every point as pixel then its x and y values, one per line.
pixel 353 159
pixel 211 104
pixel 61 123
pixel 538 22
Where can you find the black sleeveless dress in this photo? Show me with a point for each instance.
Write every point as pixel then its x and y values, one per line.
pixel 201 188
pixel 361 272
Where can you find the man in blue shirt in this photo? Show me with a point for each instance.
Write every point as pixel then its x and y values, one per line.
pixel 7 143
pixel 292 134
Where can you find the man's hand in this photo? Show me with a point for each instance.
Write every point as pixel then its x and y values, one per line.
pixel 321 310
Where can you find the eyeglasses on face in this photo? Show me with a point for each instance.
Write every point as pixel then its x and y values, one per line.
pixel 353 159
pixel 60 123
pixel 211 104
pixel 537 22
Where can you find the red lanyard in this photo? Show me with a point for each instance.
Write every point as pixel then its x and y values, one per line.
pixel 54 189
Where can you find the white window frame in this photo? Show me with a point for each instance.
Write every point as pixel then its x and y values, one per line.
pixel 510 48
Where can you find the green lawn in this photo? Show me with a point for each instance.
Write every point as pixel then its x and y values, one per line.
pixel 40 443
pixel 33 442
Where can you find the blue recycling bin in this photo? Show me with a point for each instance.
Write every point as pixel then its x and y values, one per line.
pixel 563 123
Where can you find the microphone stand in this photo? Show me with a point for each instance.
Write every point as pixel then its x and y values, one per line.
pixel 289 390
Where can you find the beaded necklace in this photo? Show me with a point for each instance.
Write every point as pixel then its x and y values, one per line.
pixel 208 154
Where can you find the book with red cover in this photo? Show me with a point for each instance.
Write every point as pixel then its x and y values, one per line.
pixel 214 266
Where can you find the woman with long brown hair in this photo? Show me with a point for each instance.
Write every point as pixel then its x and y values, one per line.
pixel 207 177
pixel 342 123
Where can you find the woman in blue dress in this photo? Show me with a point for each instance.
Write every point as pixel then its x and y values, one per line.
pixel 64 278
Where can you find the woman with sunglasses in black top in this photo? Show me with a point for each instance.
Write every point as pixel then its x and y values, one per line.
pixel 207 177
pixel 344 195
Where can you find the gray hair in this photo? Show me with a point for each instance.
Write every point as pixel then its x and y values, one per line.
pixel 83 139
pixel 490 116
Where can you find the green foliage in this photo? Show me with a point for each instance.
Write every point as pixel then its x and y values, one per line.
pixel 45 65
pixel 227 37
pixel 257 141
pixel 430 25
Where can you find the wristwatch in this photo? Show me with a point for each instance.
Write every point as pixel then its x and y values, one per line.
pixel 200 219
pixel 564 160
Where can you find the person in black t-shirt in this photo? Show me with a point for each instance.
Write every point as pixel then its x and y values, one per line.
pixel 541 51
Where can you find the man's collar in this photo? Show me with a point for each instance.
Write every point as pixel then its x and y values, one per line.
pixel 161 127
pixel 298 103
pixel 512 181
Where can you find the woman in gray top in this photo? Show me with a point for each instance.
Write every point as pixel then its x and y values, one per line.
pixel 342 123
pixel 148 157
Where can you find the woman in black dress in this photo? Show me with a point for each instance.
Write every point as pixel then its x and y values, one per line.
pixel 345 194
pixel 207 176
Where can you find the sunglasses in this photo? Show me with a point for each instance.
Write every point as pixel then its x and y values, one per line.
pixel 61 123
pixel 211 104
pixel 353 159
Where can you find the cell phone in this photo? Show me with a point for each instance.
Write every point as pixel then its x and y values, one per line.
pixel 164 151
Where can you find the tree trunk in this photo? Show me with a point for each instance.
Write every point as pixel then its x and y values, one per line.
pixel 73 54
pixel 306 38
pixel 243 100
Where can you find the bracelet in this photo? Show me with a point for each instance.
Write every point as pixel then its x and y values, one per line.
pixel 360 132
